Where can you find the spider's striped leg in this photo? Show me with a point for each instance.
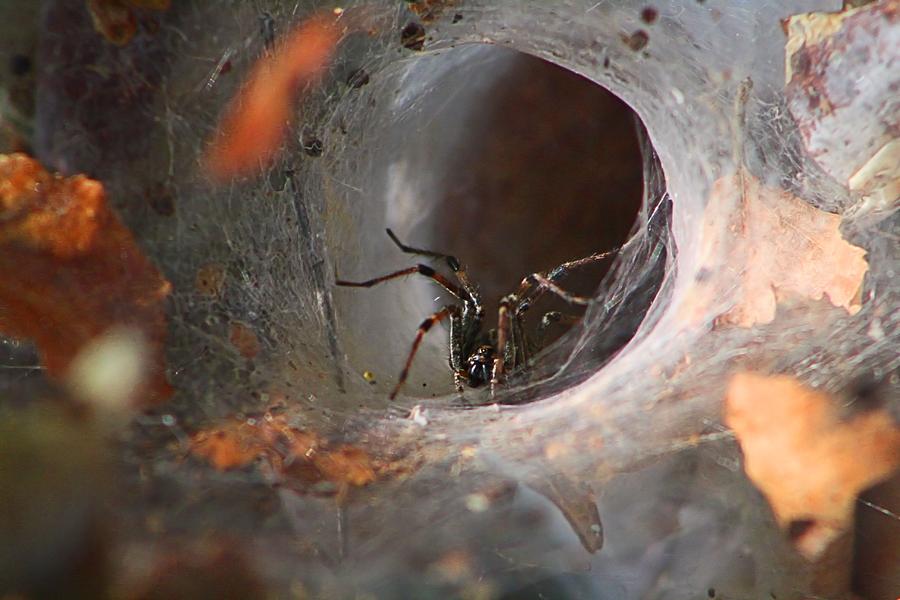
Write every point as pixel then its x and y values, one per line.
pixel 453 262
pixel 448 311
pixel 537 283
pixel 424 270
pixel 456 351
pixel 545 283
pixel 563 269
pixel 506 347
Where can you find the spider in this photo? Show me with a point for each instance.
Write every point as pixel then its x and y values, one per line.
pixel 478 357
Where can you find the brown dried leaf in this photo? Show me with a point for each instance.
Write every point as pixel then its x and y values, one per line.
pixel 294 453
pixel 346 465
pixel 244 339
pixel 431 10
pixel 115 19
pixel 763 245
pixel 808 462
pixel 210 280
pixel 842 71
pixel 70 271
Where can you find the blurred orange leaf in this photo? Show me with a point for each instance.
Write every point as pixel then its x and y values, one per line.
pixel 256 120
pixel 70 271
pixel 809 462
pixel 293 453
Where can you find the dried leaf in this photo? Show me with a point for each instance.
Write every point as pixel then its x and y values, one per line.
pixel 841 80
pixel 70 271
pixel 347 465
pixel 244 339
pixel 808 462
pixel 291 452
pixel 115 19
pixel 763 245
pixel 431 10
pixel 210 280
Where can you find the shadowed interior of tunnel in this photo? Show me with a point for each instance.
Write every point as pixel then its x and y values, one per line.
pixel 508 162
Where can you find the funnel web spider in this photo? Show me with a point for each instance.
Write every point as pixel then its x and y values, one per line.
pixel 477 356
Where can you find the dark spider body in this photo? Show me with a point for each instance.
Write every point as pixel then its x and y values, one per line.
pixel 478 357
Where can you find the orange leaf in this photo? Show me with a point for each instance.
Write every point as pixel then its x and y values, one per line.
pixel 70 271
pixel 808 462
pixel 255 122
pixel 292 452
pixel 763 245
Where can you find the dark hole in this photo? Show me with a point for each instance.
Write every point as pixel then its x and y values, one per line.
pixel 358 78
pixel 649 15
pixel 532 193
pixel 800 527
pixel 870 391
pixel 412 36
pixel 20 65
pixel 637 40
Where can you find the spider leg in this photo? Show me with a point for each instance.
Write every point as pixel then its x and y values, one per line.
pixel 505 350
pixel 448 311
pixel 549 319
pixel 452 262
pixel 546 283
pixel 533 286
pixel 563 269
pixel 456 351
pixel 424 270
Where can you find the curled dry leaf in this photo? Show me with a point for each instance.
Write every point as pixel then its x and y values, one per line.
pixel 115 19
pixel 762 245
pixel 70 271
pixel 809 462
pixel 291 452
pixel 431 10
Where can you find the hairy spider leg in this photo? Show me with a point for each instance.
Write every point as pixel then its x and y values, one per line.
pixel 457 267
pixel 451 311
pixel 466 330
pixel 452 261
pixel 547 284
pixel 457 356
pixel 424 270
pixel 503 335
pixel 529 292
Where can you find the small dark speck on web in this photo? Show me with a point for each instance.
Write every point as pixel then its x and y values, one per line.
pixel 358 78
pixel 637 40
pixel 457 18
pixel 313 146
pixel 649 15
